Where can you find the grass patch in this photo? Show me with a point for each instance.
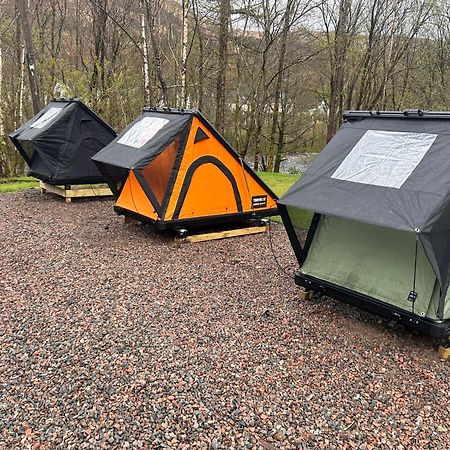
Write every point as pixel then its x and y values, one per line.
pixel 17 184
pixel 280 183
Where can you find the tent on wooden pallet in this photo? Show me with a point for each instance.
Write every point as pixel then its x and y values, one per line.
pixel 59 142
pixel 172 168
pixel 380 235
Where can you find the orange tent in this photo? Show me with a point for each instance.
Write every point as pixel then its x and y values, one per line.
pixel 172 168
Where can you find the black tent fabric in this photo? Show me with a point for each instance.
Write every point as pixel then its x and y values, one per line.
pixel 389 169
pixel 59 142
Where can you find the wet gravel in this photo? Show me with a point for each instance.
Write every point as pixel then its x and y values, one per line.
pixel 114 337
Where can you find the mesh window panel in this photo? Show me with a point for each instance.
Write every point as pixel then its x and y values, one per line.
pixel 157 172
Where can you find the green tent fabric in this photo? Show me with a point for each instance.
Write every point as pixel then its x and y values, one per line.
pixel 374 261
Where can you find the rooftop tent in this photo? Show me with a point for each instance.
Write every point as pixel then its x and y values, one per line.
pixel 59 142
pixel 172 168
pixel 380 235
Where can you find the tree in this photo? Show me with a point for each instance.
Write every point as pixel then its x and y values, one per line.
pixel 30 57
pixel 224 18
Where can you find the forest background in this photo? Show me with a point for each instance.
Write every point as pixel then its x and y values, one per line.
pixel 274 77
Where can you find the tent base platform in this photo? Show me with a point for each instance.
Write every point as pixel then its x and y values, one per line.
pixel 80 191
pixel 200 222
pixel 243 229
pixel 389 312
pixel 444 353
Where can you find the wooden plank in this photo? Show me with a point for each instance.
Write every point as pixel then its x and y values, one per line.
pixel 444 353
pixel 68 194
pixel 222 234
pixel 88 191
pixel 46 187
pixel 306 295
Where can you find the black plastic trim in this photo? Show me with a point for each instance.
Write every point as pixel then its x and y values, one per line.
pixel 407 114
pixel 390 312
pixel 163 225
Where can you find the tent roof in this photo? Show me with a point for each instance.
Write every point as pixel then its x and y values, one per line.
pixel 384 168
pixel 59 141
pixel 29 131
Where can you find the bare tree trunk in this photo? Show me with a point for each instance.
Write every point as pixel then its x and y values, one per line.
pixel 201 58
pixel 259 124
pixel 184 53
pixel 153 11
pixel 2 128
pixel 278 86
pixel 145 66
pixel 31 63
pixel 389 60
pixel 224 17
pixel 337 77
pixel 21 84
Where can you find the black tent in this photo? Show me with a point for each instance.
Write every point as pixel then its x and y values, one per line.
pixel 380 236
pixel 59 142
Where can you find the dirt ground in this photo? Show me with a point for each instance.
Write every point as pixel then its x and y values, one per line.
pixel 114 337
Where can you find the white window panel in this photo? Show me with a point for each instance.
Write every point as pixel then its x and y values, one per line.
pixel 46 118
pixel 142 131
pixel 384 158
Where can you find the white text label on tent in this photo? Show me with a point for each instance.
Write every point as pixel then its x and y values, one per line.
pixel 384 158
pixel 46 118
pixel 142 131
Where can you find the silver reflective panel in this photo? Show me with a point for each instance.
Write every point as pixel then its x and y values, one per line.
pixel 46 118
pixel 384 158
pixel 142 131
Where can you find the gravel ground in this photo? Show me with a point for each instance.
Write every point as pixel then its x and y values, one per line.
pixel 114 337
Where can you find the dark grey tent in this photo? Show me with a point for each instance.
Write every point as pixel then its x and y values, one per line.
pixel 59 142
pixel 380 235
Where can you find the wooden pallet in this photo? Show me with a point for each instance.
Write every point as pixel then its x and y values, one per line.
pixel 222 234
pixel 69 194
pixel 305 295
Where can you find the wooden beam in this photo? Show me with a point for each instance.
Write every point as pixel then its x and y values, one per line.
pixel 69 194
pixel 222 234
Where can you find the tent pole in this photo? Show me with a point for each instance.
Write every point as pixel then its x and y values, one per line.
pixel 297 247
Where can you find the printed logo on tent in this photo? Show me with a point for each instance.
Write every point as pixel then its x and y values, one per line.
pixel 259 201
pixel 384 158
pixel 46 118
pixel 142 131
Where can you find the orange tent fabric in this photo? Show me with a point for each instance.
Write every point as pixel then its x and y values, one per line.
pixel 185 172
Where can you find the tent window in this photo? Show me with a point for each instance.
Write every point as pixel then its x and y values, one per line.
pixel 157 172
pixel 384 158
pixel 46 118
pixel 141 132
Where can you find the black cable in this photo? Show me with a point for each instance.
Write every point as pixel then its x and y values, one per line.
pixel 280 267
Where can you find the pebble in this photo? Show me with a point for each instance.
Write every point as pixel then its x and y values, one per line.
pixel 114 337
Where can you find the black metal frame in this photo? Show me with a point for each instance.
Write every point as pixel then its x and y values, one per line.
pixel 435 328
pixel 163 225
